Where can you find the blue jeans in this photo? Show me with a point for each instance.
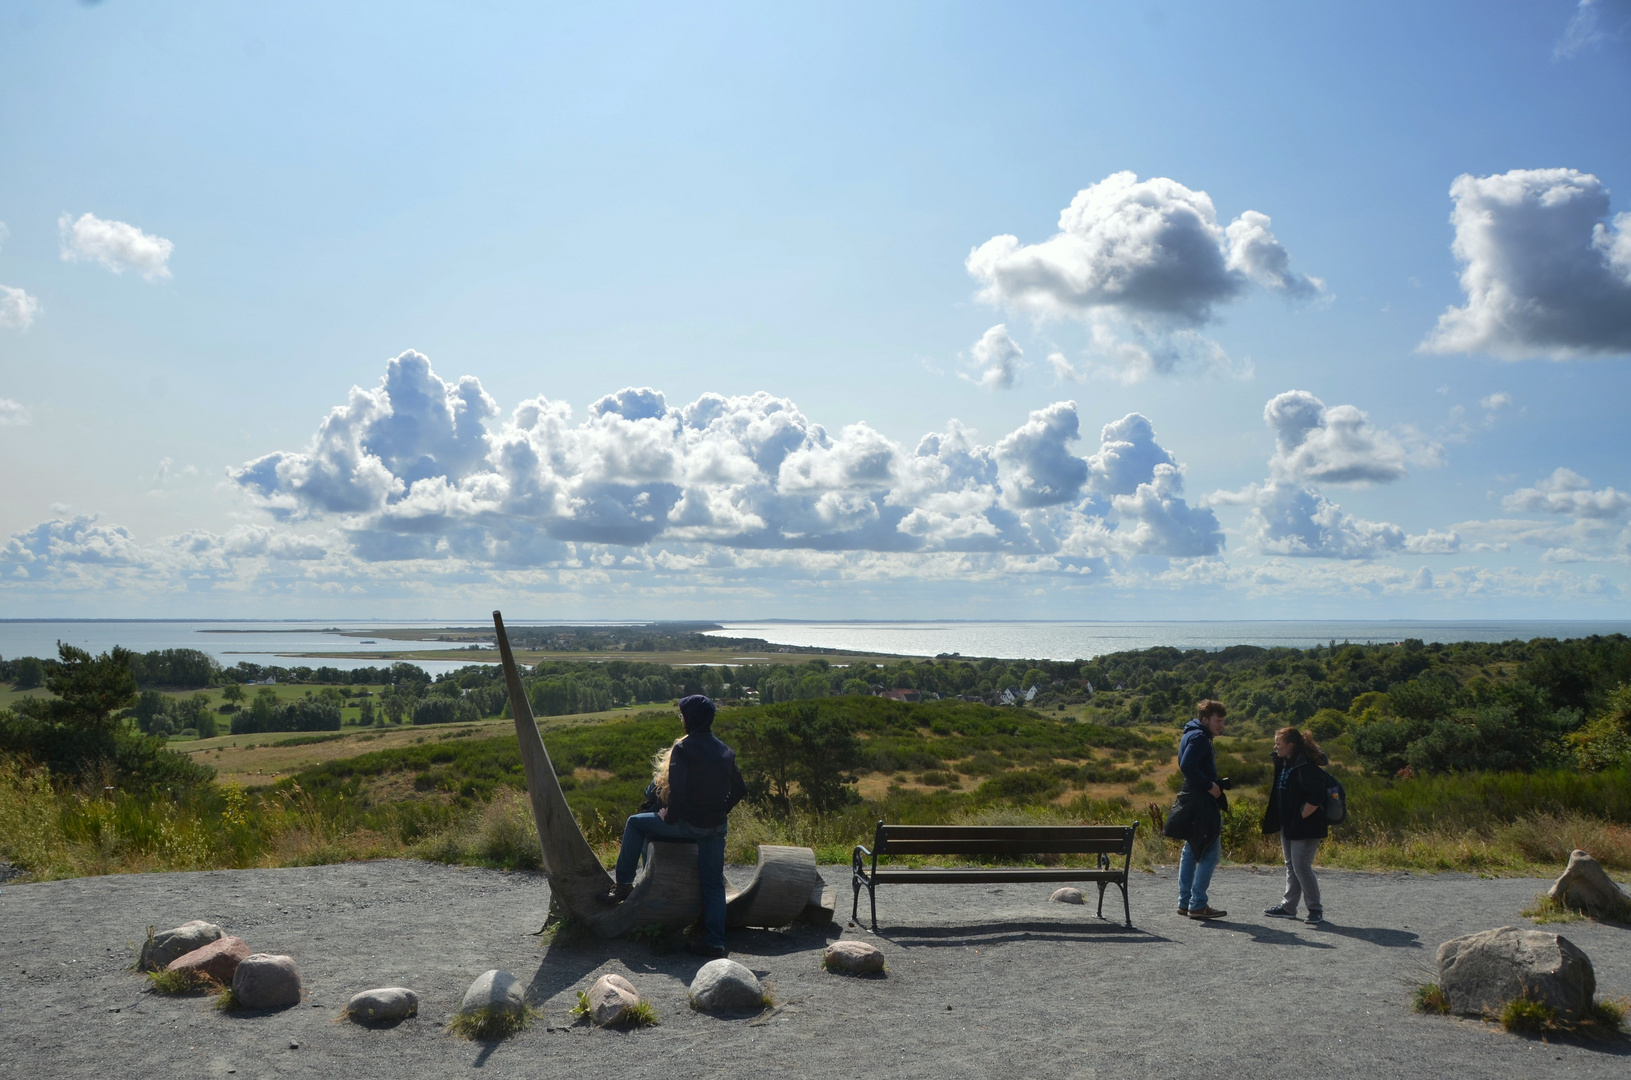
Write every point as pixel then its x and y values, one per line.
pixel 1194 875
pixel 710 863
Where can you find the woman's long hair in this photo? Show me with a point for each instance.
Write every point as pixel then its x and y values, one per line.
pixel 1302 742
pixel 659 771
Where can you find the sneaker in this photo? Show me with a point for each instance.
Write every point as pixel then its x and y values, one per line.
pixel 702 948
pixel 1207 912
pixel 1314 918
pixel 1280 911
pixel 1183 911
pixel 620 892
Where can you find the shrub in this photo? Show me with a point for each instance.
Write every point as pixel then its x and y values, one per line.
pixel 1429 998
pixel 438 709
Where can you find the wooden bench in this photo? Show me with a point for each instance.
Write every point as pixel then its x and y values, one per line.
pixel 1101 840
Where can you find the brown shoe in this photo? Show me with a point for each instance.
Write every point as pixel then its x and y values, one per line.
pixel 1183 911
pixel 1206 913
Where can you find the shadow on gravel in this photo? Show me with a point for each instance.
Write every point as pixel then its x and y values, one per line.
pixel 1377 935
pixel 999 933
pixel 1267 935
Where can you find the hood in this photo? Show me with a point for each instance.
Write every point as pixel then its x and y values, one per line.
pixel 1195 725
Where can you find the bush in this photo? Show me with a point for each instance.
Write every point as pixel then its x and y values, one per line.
pixel 437 709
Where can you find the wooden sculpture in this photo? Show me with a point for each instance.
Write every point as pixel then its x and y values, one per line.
pixel 785 888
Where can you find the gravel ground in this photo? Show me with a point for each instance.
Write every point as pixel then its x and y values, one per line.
pixel 982 981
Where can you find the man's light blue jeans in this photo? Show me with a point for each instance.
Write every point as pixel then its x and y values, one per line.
pixel 710 863
pixel 1195 874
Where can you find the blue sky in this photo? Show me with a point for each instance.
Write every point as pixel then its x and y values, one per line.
pixel 1251 310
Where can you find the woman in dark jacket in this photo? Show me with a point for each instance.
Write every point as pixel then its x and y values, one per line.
pixel 1296 811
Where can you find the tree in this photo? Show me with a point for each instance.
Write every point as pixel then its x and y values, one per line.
pixel 233 693
pixel 796 743
pixel 30 673
pixel 77 733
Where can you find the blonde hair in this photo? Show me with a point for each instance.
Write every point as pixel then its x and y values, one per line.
pixel 659 771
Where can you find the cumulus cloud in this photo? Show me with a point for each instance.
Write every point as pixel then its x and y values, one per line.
pixel 115 245
pixel 1545 272
pixel 1143 264
pixel 17 308
pixel 421 468
pixel 1567 492
pixel 1290 519
pixel 996 359
pixel 13 413
pixel 1334 445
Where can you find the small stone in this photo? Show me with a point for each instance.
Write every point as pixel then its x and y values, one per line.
pixel 1481 972
pixel 266 981
pixel 726 986
pixel 294 1046
pixel 1584 886
pixel 1068 895
pixel 853 957
pixel 166 945
pixel 218 960
pixel 382 1006
pixel 611 998
pixel 496 990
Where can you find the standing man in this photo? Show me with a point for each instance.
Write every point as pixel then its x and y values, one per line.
pixel 1197 816
pixel 703 784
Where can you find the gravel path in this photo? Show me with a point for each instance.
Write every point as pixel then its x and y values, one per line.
pixel 982 981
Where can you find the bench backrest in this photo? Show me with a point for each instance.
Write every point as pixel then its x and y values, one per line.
pixel 1004 839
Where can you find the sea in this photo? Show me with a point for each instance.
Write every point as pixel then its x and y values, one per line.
pixel 280 643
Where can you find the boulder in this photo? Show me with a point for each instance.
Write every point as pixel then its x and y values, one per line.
pixel 1584 886
pixel 383 1006
pixel 166 945
pixel 497 991
pixel 1481 972
pixel 611 998
pixel 218 960
pixel 266 981
pixel 853 957
pixel 724 986
pixel 1068 895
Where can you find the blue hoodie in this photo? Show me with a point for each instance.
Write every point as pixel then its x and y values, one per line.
pixel 1195 758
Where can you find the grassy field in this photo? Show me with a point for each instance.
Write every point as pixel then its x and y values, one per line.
pixel 454 793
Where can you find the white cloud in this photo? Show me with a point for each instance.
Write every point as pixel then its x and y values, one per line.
pixel 996 359
pixel 1545 273
pixel 114 244
pixel 420 468
pixel 1567 492
pixel 1143 264
pixel 1335 445
pixel 1593 23
pixel 1289 519
pixel 17 308
pixel 13 413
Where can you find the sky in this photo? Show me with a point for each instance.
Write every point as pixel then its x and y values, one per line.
pixel 840 311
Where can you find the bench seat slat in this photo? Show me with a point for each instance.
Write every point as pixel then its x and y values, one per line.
pixel 944 875
pixel 891 846
pixel 1005 832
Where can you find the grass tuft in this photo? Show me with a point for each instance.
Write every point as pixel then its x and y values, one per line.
pixel 643 1014
pixel 488 1024
pixel 1547 910
pixel 228 1001
pixel 172 983
pixel 1522 1016
pixel 1429 998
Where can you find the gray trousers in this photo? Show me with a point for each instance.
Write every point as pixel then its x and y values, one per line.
pixel 1301 884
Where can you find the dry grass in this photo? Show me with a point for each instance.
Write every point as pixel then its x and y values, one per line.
pixel 1429 998
pixel 488 1024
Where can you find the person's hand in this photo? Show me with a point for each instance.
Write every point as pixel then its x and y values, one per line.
pixel 663 813
pixel 1308 809
pixel 1216 791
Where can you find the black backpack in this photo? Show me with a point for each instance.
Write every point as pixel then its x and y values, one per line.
pixel 1336 799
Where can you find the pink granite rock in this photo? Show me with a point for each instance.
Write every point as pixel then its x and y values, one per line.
pixel 218 960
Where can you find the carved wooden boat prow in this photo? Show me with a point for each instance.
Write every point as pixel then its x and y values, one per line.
pixel 785 887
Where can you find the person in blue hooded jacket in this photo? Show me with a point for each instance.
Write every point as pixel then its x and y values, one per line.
pixel 703 784
pixel 1197 815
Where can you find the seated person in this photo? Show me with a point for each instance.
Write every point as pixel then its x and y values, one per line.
pixel 703 784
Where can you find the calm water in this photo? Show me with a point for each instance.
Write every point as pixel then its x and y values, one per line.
pixel 229 642
pixel 278 642
pixel 1085 640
